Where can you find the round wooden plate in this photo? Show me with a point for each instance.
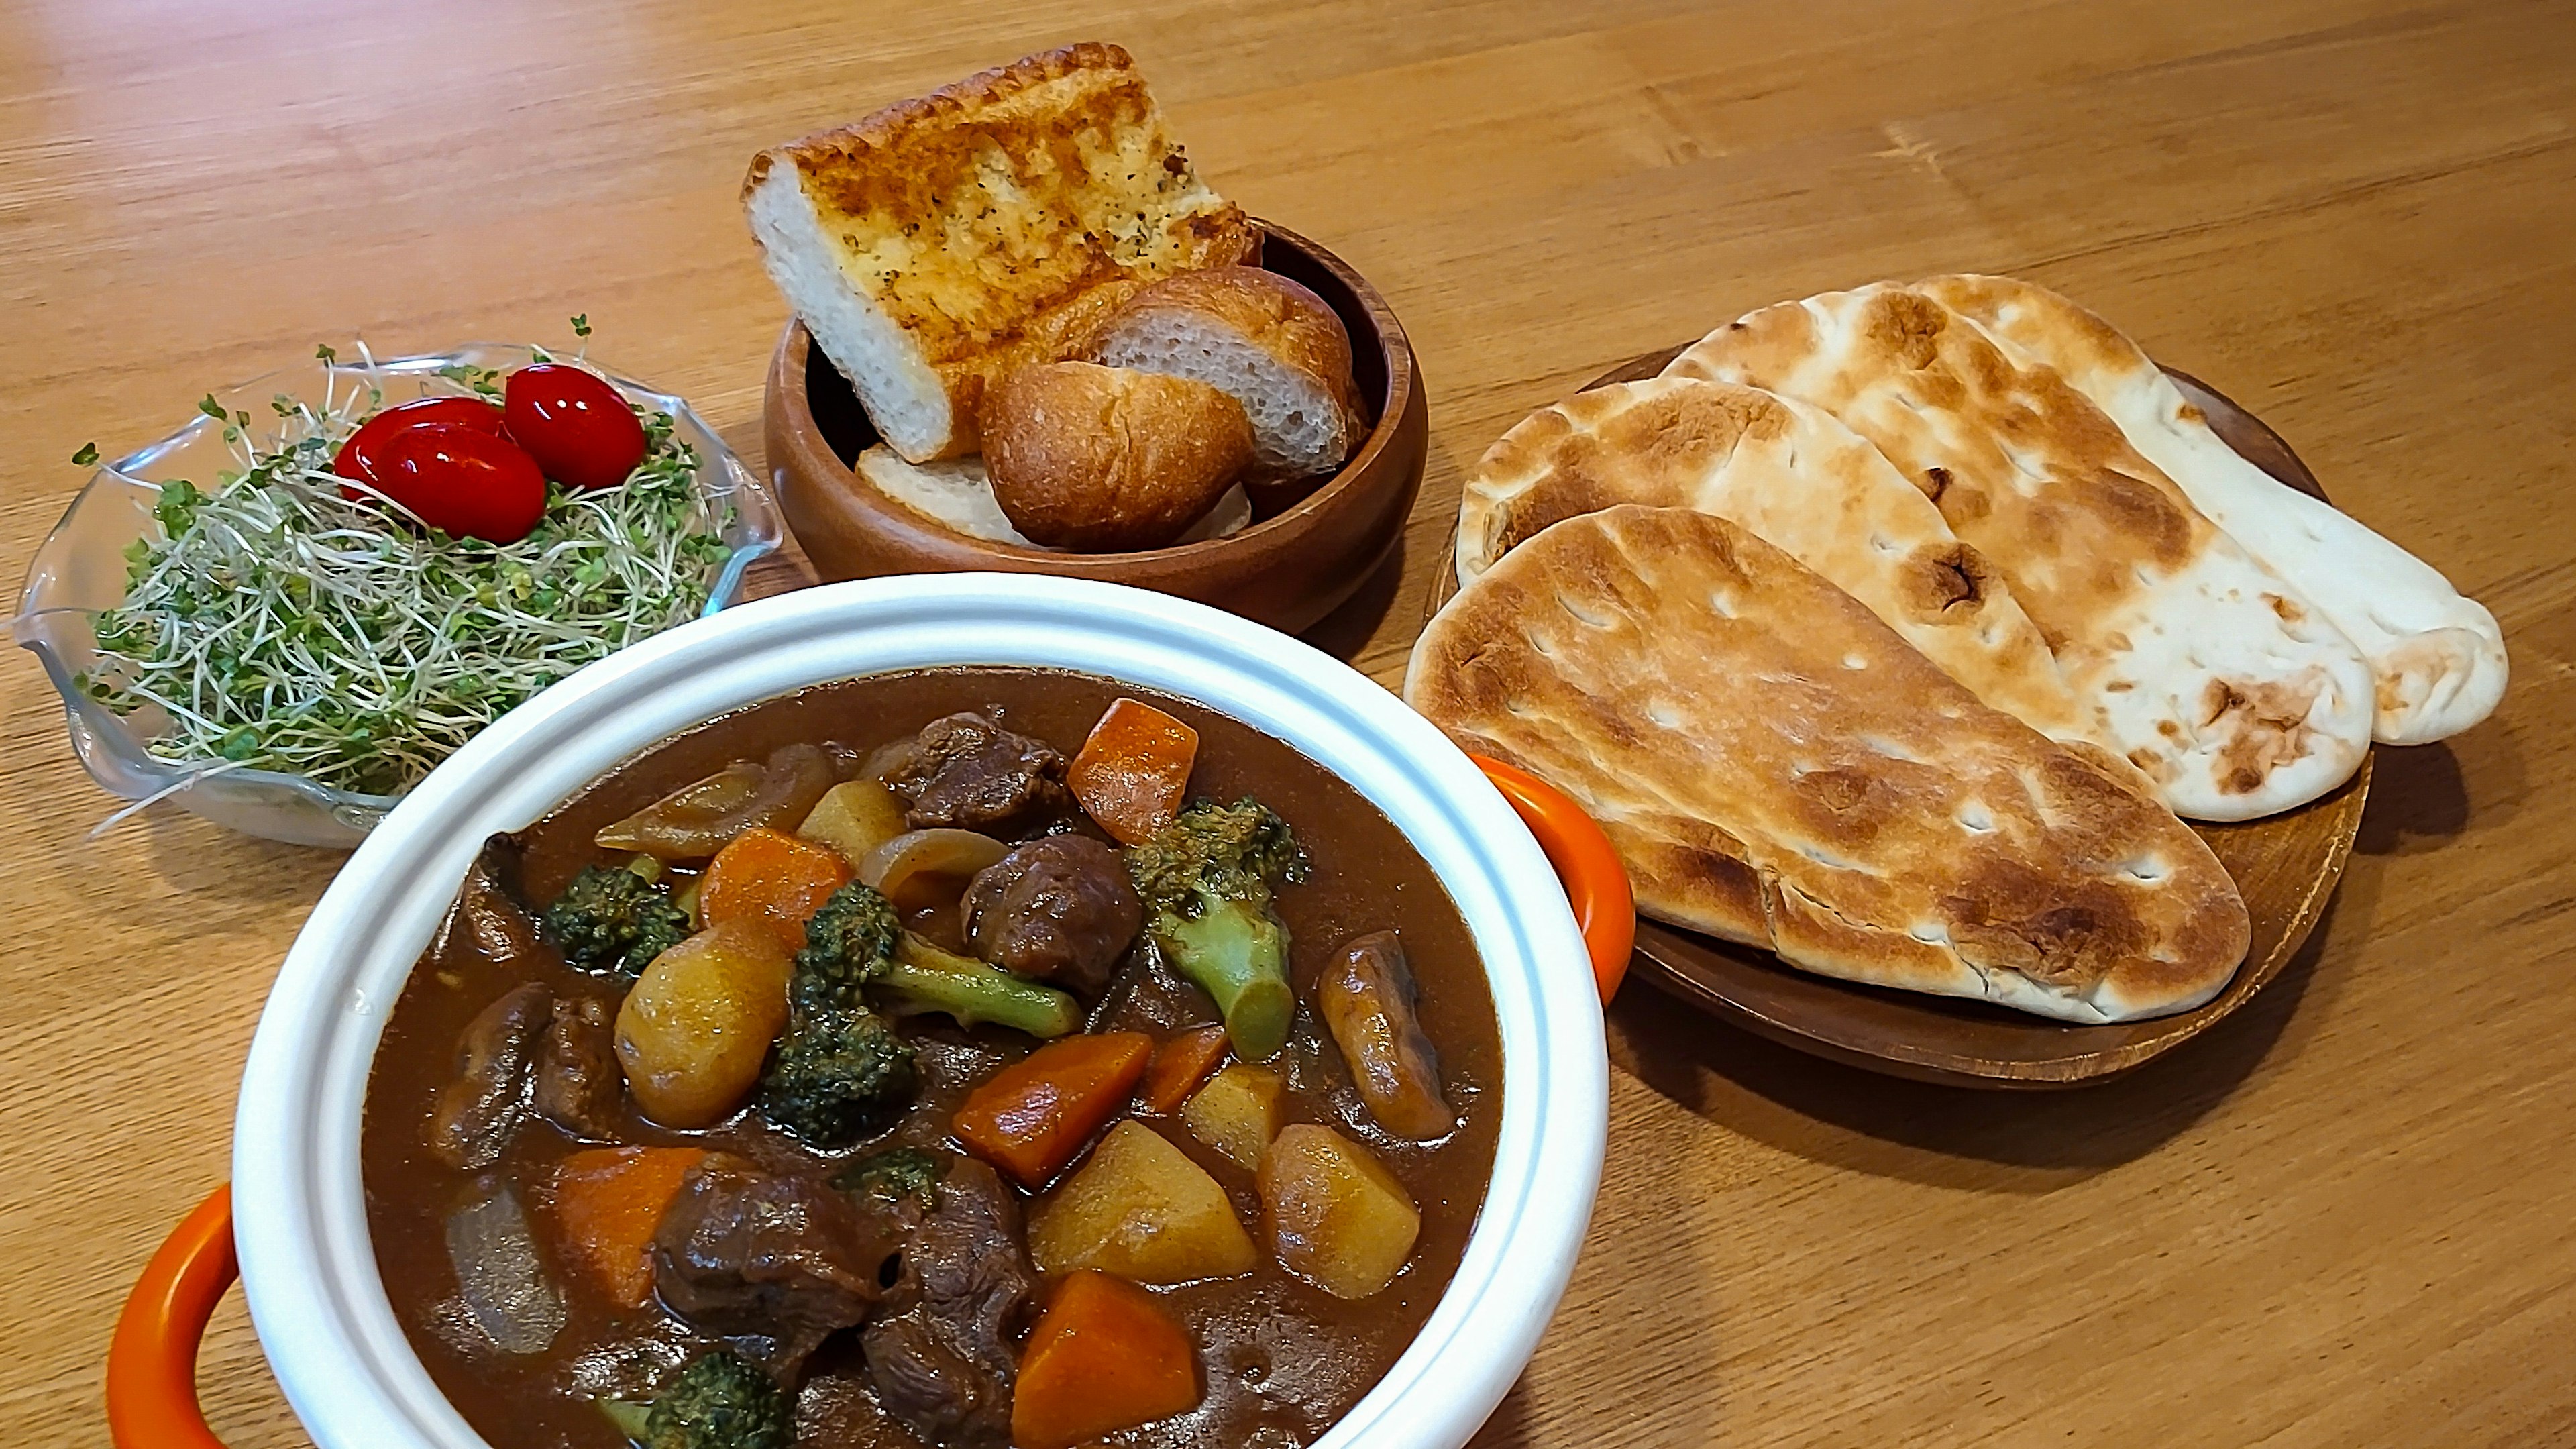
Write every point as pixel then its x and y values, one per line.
pixel 2285 865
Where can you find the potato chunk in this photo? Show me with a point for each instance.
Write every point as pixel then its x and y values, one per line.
pixel 1334 1215
pixel 695 1028
pixel 855 818
pixel 1141 1209
pixel 1237 1113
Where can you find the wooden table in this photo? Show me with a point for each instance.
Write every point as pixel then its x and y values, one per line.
pixel 2343 1218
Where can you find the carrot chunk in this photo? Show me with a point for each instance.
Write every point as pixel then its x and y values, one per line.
pixel 1105 1357
pixel 771 880
pixel 1030 1118
pixel 1179 1065
pixel 1131 773
pixel 608 1201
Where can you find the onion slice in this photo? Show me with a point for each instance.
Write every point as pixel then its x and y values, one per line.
pixel 698 819
pixel 916 854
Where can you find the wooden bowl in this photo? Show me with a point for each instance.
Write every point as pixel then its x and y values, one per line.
pixel 1288 569
pixel 2285 866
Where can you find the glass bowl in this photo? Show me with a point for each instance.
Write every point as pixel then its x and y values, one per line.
pixel 80 570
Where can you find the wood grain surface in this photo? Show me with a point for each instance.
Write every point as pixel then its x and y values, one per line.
pixel 2340 1218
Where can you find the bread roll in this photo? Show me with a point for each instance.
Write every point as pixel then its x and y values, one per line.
pixel 1109 459
pixel 1263 340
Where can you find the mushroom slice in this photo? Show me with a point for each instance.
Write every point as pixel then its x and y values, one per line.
pixel 500 1273
pixel 1366 997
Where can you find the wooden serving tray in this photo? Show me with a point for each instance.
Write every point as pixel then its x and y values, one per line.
pixel 2285 865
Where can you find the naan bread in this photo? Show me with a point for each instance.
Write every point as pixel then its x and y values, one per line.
pixel 1777 767
pixel 2216 677
pixel 2438 658
pixel 1804 484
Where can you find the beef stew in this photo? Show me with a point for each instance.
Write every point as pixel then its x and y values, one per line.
pixel 833 1060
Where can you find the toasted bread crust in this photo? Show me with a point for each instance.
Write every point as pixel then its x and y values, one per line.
pixel 997 220
pixel 1779 767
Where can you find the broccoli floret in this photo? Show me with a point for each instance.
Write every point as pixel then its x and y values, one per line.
pixel 718 1402
pixel 838 1075
pixel 848 943
pixel 1233 852
pixel 840 1071
pixel 614 922
pixel 895 1174
pixel 1206 880
pixel 857 940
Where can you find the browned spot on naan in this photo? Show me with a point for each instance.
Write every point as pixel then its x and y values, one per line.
pixel 2147 513
pixel 1908 326
pixel 2263 724
pixel 1935 582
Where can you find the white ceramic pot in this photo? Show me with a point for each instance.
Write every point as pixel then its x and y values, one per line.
pixel 300 1222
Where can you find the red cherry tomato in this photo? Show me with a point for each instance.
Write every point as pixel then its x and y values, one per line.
pixel 575 425
pixel 467 483
pixel 358 456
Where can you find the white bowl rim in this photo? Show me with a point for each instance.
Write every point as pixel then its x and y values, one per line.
pixel 308 1268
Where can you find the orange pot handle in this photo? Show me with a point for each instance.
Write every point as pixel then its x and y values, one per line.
pixel 1596 884
pixel 152 1361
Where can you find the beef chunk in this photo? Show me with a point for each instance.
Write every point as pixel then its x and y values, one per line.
pixel 940 1354
pixel 486 922
pixel 1059 909
pixel 967 772
pixel 774 1261
pixel 579 1086
pixel 476 1113
pixel 1149 996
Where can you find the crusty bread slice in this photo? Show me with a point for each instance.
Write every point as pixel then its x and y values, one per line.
pixel 1803 483
pixel 954 493
pixel 1776 766
pixel 2216 678
pixel 994 223
pixel 957 495
pixel 2438 656
pixel 1266 341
